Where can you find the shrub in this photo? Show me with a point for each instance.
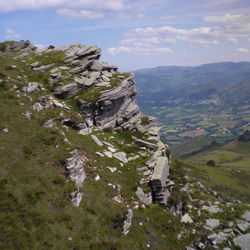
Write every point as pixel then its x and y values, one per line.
pixel 144 120
pixel 168 152
pixel 211 163
pixel 108 130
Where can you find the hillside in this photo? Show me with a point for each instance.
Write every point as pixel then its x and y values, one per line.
pixel 230 174
pixel 209 100
pixel 83 168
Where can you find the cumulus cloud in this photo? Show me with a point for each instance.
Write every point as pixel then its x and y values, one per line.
pixel 11 34
pixel 138 50
pixel 232 40
pixel 80 13
pixel 243 50
pixel 75 9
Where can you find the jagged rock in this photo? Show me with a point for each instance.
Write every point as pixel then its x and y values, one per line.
pixel 76 198
pixel 243 241
pixel 5 130
pixel 23 45
pixel 100 154
pixel 96 140
pixel 75 167
pixel 212 209
pixel 149 145
pixel 109 67
pixel 186 219
pixel 32 86
pixel 112 170
pixel 28 115
pixel 158 181
pixel 212 223
pixel 243 225
pixel 121 156
pixel 103 84
pixel 128 221
pixel 49 124
pixel 85 131
pixel 96 66
pixel 37 106
pixel 91 78
pixel 107 153
pixel 67 91
pixel 145 198
pixel 246 216
pixel 43 68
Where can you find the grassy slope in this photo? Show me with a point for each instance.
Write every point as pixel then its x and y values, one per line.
pixel 35 207
pixel 231 175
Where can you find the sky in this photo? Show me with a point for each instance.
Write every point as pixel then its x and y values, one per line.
pixel 135 34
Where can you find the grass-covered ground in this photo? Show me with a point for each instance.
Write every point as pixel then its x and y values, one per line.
pixel 231 173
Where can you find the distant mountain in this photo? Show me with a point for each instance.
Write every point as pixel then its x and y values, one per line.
pixel 211 99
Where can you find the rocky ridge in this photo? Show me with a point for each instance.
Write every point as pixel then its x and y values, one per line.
pixel 106 141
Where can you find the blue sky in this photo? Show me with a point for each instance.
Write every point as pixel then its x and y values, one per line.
pixel 136 34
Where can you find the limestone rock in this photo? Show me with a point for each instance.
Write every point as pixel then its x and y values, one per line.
pixel 67 91
pixel 75 167
pixel 128 221
pixel 32 86
pixel 121 156
pixel 43 68
pixel 76 198
pixel 149 145
pixel 145 198
pixel 212 223
pixel 186 219
pixel 49 124
pixel 96 140
pixel 246 216
pixel 243 241
pixel 212 209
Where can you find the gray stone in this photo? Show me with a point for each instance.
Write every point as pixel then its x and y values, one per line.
pixel 212 223
pixel 146 144
pixel 66 91
pixel 128 221
pixel 96 140
pixel 28 115
pixel 76 198
pixel 37 106
pixel 75 167
pixel 43 68
pixel 96 66
pixel 49 124
pixel 107 153
pixel 246 216
pixel 243 241
pixel 186 219
pixel 213 209
pixel 5 130
pixel 145 198
pixel 121 156
pixel 32 86
pixel 243 225
pixel 103 84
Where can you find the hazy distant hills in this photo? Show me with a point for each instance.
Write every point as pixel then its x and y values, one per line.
pixel 179 77
pixel 211 99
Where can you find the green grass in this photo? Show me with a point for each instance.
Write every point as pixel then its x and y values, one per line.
pixel 231 175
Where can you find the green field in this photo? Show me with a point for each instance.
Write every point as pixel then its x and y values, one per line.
pixel 231 174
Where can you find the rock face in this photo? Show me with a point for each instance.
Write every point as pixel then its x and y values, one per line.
pixel 116 107
pixel 75 169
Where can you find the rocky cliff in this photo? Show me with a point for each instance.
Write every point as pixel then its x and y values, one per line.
pixel 82 168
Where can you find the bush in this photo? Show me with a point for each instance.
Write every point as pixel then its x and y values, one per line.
pixel 211 163
pixel 108 130
pixel 144 120
pixel 168 152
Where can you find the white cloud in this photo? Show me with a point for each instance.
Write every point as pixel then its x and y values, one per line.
pixel 138 51
pixel 11 34
pixel 232 40
pixel 80 13
pixel 227 18
pixel 75 9
pixel 243 50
